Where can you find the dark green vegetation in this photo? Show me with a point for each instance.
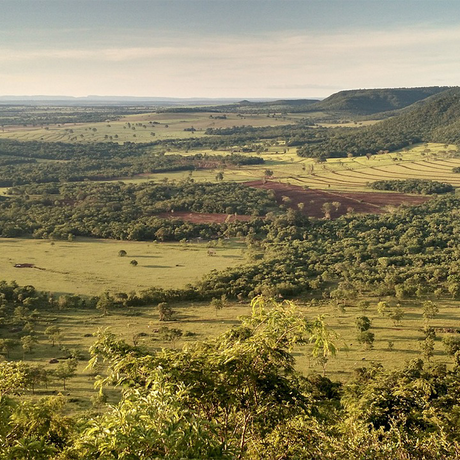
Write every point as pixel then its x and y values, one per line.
pixel 404 254
pixel 125 211
pixel 39 162
pixel 437 120
pixel 420 186
pixel 372 101
pixel 239 395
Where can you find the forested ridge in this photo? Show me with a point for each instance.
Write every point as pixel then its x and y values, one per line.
pixel 371 101
pixel 437 120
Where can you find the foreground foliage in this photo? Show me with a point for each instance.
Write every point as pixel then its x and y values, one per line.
pixel 238 396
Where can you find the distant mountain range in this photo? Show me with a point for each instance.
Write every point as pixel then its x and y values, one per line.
pixel 119 100
pixel 355 103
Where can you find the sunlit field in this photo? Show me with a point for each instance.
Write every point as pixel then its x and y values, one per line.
pixel 90 266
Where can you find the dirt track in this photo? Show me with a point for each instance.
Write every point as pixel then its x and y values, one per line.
pixel 204 218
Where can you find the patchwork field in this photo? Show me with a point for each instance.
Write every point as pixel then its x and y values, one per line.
pixel 356 173
pixel 350 174
pixel 139 128
pixel 87 266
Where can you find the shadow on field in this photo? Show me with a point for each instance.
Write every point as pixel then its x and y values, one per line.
pixel 156 266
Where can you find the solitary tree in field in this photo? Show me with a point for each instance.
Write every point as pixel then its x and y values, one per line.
pixel 105 303
pixel 6 345
pixel 365 337
pixel 122 253
pixel 327 208
pixel 363 323
pixel 336 205
pixel 397 315
pixel 382 308
pixel 430 310
pixel 165 312
pixel 427 348
pixel 54 334
pixel 27 343
pixel 66 370
pixel 220 303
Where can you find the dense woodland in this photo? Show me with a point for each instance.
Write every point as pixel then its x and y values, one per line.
pixel 420 186
pixel 127 212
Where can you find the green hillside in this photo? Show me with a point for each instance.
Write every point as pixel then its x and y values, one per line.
pixel 438 120
pixel 371 101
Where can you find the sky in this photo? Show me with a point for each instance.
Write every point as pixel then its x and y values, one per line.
pixel 225 48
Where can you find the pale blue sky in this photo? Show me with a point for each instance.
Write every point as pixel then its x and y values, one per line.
pixel 225 48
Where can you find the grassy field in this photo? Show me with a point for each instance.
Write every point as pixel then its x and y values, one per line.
pixel 199 321
pixel 139 128
pixel 90 266
pixel 355 173
pixel 336 174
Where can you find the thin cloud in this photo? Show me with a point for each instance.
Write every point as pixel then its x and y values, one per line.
pixel 258 65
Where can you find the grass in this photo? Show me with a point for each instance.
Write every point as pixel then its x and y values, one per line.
pixel 89 266
pixel 138 128
pixel 200 321
pixel 356 173
pixel 351 174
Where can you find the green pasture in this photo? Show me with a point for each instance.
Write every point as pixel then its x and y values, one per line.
pixel 89 266
pixel 336 173
pixel 432 161
pixel 138 128
pixel 200 321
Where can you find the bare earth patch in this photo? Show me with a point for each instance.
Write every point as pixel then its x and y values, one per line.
pixel 360 202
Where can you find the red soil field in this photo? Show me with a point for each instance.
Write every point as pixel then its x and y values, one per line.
pixel 360 202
